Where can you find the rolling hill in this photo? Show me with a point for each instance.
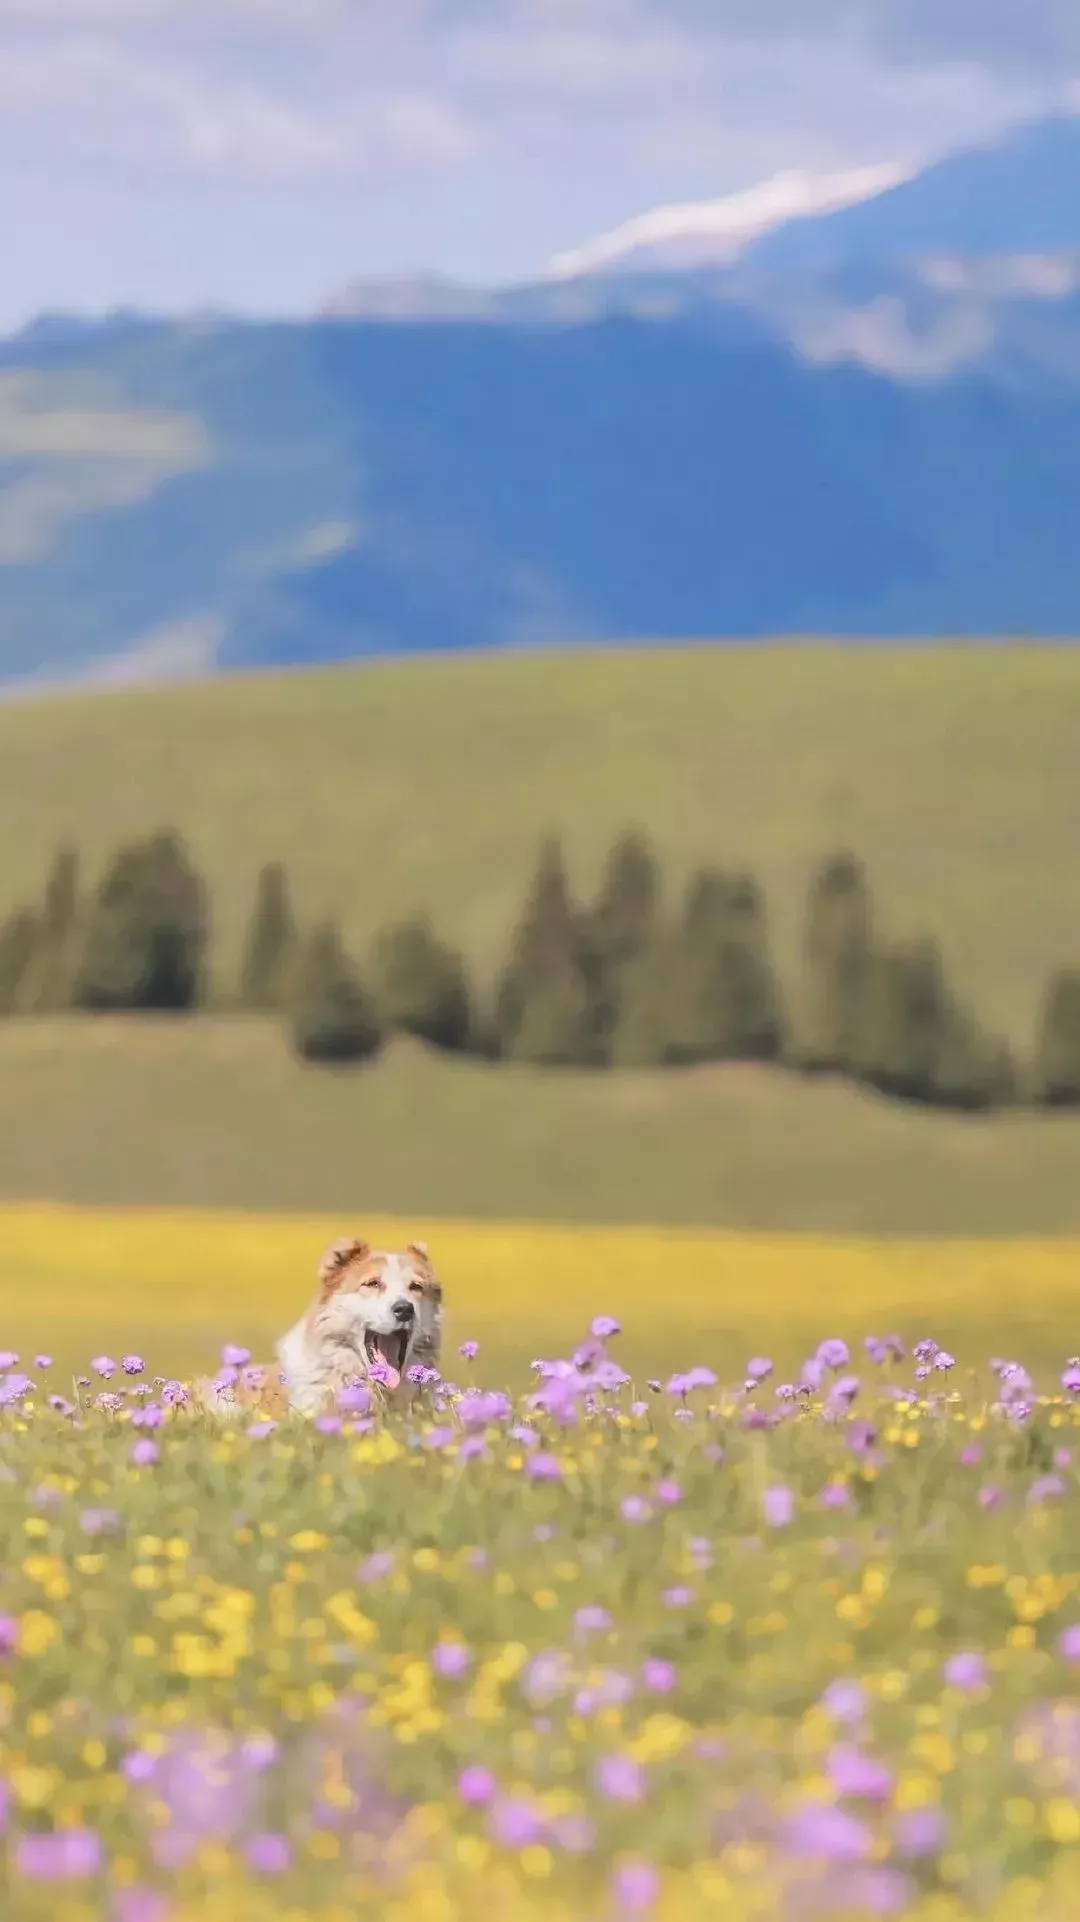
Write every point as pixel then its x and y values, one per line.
pixel 392 786
pixel 216 1114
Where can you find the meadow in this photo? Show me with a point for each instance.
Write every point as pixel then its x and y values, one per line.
pixel 727 1647
pixel 215 1113
pixel 427 783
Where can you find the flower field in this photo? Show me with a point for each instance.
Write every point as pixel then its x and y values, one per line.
pixel 737 1646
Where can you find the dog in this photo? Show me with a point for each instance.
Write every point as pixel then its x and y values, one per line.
pixel 377 1315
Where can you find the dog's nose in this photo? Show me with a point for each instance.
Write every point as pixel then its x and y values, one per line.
pixel 403 1311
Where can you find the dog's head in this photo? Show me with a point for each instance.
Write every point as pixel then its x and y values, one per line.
pixel 385 1308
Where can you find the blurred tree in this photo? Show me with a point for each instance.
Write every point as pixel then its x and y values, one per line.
pixel 146 932
pixel 542 1010
pixel 18 946
pixel 836 955
pixel 332 1017
pixel 49 980
pixel 422 986
pixel 270 949
pixel 722 998
pixel 1057 1047
pixel 616 932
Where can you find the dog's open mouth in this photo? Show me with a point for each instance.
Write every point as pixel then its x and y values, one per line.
pixel 389 1350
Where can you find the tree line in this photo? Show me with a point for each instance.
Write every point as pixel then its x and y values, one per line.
pixel 619 981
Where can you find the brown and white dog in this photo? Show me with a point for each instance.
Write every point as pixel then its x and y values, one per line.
pixel 377 1315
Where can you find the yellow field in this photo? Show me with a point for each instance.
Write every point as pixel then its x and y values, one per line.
pixel 175 1284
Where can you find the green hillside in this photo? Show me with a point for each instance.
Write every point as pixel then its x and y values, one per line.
pixel 955 772
pixel 217 1113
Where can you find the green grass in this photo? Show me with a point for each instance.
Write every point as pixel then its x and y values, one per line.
pixel 215 1112
pixel 954 771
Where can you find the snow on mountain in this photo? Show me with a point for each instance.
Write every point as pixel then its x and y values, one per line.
pixel 714 232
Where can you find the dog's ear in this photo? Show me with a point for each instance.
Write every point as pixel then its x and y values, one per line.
pixel 420 1249
pixel 339 1257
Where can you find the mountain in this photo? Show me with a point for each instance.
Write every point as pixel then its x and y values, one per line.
pixel 865 423
pixel 177 498
pixel 1017 195
pixel 715 232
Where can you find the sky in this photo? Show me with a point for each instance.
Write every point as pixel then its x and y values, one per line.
pixel 260 154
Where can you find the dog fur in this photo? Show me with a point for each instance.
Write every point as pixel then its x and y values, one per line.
pixel 377 1315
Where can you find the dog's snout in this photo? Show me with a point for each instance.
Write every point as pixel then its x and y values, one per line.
pixel 404 1311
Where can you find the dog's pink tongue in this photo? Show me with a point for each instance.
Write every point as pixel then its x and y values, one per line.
pixel 393 1372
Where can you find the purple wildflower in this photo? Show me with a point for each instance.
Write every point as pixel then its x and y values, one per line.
pixel 67 1855
pixel 844 1700
pixel 833 1353
pixel 174 1394
pixel 268 1854
pixel 43 1361
pixel 668 1493
pixel 635 1887
pixel 591 1618
pixel 9 1634
pixel 835 1495
pixel 234 1357
pixel 657 1676
pixel 966 1671
pixel 515 1822
pixel 778 1503
pixel 844 1390
pixel 855 1774
pixel 450 1659
pixel 918 1832
pixel 469 1350
pixel 1069 1643
pixel 604 1326
pixel 541 1467
pixel 8 1359
pixel 104 1366
pixel 145 1454
pixel 620 1779
pixel 109 1403
pixel 828 1834
pixel 133 1364
pixel 354 1398
pixel 677 1597
pixel 633 1509
pixel 757 1369
pixel 1045 1486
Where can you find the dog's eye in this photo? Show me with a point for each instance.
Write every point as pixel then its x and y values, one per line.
pixel 373 1283
pixel 416 1287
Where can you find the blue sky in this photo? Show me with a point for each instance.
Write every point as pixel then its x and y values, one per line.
pixel 258 154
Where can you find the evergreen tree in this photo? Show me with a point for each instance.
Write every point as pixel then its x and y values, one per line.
pixel 421 985
pixel 836 958
pixel 642 1035
pixel 616 934
pixel 974 1071
pixel 332 1017
pixel 271 944
pixel 146 932
pixel 542 1010
pixel 18 947
pixel 1057 1048
pixel 723 1002
pixel 906 1019
pixel 48 983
